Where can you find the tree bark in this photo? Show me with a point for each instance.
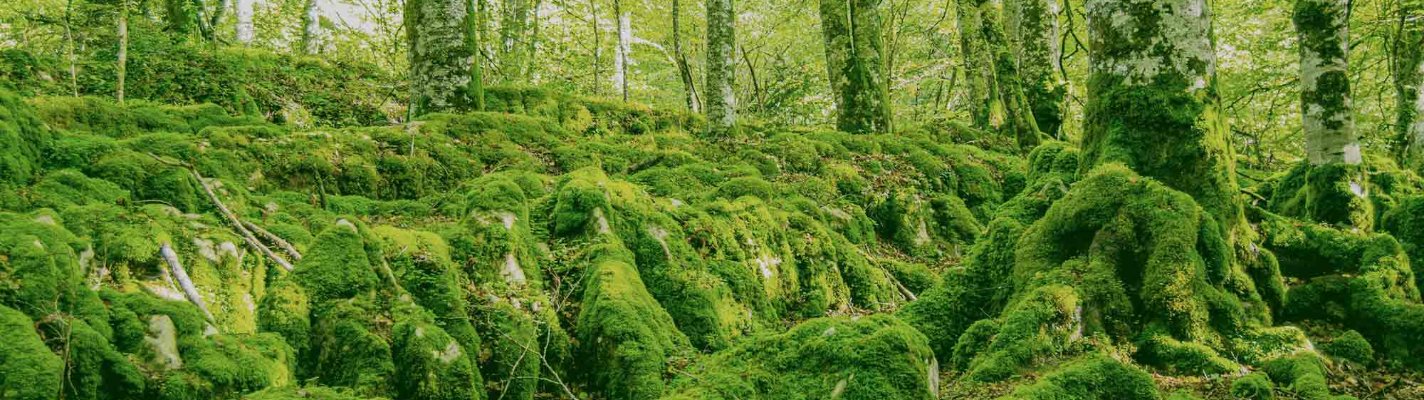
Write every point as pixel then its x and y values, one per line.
pixel 689 90
pixel 622 52
pixel 122 67
pixel 1152 101
pixel 244 29
pixel 1323 27
pixel 721 74
pixel 311 28
pixel 1409 83
pixel 443 70
pixel 179 274
pixel 855 64
pixel 514 33
pixel 985 109
pixel 1034 36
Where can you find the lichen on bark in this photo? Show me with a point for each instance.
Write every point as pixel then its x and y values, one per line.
pixel 444 74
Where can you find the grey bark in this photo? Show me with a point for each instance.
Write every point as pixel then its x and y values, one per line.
pixel 721 100
pixel 1326 110
pixel 122 67
pixel 311 28
pixel 622 50
pixel 444 73
pixel 244 30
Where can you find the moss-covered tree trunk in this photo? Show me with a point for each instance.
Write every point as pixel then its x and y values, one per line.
pixel 855 64
pixel 1323 26
pixel 1409 82
pixel 514 29
pixel 721 74
pixel 443 72
pixel 984 109
pixel 996 87
pixel 1035 39
pixel 689 90
pixel 622 54
pixel 1152 99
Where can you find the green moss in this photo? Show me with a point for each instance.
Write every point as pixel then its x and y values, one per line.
pixel 348 351
pixel 307 392
pixel 285 311
pixel 625 338
pixel 22 140
pixel 1253 386
pixel 1336 194
pixel 337 267
pixel 1091 377
pixel 1042 325
pixel 1350 346
pixel 1302 375
pixel 1406 223
pixel 430 364
pixel 30 371
pixel 868 357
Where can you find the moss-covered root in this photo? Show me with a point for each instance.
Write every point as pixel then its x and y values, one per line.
pixel 875 357
pixel 430 364
pixel 1336 194
pixel 1091 377
pixel 625 337
pixel 1142 257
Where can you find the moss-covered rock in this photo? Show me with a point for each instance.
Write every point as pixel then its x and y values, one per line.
pixel 842 358
pixel 31 371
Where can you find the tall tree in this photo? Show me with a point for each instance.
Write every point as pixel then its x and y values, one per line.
pixel 311 27
pixel 721 74
pixel 622 53
pixel 689 90
pixel 1152 100
pixel 244 28
pixel 855 64
pixel 121 68
pixel 1034 33
pixel 514 31
pixel 996 87
pixel 443 46
pixel 1408 49
pixel 1323 27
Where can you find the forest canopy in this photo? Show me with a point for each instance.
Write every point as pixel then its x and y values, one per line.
pixel 711 199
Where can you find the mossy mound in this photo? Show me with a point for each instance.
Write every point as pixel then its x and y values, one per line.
pixel 842 358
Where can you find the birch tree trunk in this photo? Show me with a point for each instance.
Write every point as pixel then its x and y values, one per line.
pixel 244 28
pixel 1034 36
pixel 311 28
pixel 1409 82
pixel 855 64
pixel 122 67
pixel 721 74
pixel 621 53
pixel 1152 103
pixel 444 73
pixel 514 33
pixel 1323 27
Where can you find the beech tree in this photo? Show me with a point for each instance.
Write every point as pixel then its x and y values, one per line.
pixel 443 72
pixel 721 73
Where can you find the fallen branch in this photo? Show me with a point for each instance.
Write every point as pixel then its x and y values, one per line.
pixel 184 281
pixel 286 247
pixel 227 214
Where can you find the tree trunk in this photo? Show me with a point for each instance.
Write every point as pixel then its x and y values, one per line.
pixel 514 33
pixel 443 71
pixel 1323 26
pixel 311 28
pixel 1152 101
pixel 1409 83
pixel 69 48
pixel 855 64
pixel 985 109
pixel 1008 85
pixel 245 31
pixel 622 52
pixel 1034 37
pixel 122 68
pixel 597 46
pixel 689 90
pixel 721 74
